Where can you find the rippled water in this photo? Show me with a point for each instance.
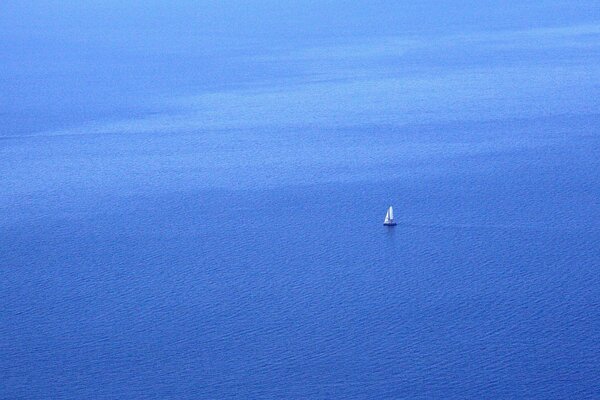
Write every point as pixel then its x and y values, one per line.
pixel 192 198
pixel 203 276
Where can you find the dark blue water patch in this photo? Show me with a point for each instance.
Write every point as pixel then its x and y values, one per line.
pixel 301 292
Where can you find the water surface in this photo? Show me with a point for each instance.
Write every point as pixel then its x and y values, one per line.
pixel 202 217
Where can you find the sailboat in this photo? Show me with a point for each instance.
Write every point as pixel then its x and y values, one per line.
pixel 389 217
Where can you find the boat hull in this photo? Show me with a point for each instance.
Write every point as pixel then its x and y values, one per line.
pixel 390 224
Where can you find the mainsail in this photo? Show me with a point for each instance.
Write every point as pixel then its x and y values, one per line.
pixel 389 217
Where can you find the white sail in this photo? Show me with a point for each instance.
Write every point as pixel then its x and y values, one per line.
pixel 389 217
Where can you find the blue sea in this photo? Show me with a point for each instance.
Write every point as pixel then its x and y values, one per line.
pixel 197 212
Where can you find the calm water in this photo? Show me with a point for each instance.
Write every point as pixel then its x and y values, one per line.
pixel 208 223
pixel 151 273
